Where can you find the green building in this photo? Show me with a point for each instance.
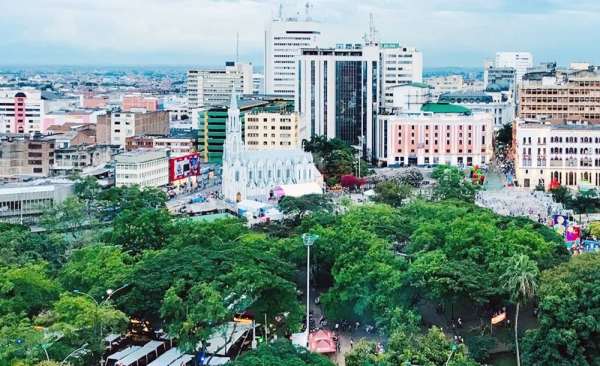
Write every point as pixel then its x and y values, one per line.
pixel 211 134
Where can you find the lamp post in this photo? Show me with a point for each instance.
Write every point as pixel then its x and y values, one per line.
pixel 451 353
pixel 109 292
pixel 72 353
pixel 46 352
pixel 308 240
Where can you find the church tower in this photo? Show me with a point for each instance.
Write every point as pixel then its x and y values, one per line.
pixel 234 146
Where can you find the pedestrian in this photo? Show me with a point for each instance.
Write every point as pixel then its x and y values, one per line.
pixel 349 328
pixel 357 325
pixel 337 326
pixel 459 323
pixel 351 343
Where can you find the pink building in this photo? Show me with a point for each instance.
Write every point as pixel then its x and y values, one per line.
pixel 440 134
pixel 60 118
pixel 139 102
pixel 95 102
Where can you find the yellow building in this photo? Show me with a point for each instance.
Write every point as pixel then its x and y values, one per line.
pixel 271 131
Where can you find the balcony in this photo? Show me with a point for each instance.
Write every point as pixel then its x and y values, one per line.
pixel 556 163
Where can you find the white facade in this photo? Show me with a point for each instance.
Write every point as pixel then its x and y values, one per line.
pixel 400 65
pixel 283 40
pixel 258 83
pixel 567 152
pixel 410 97
pixel 21 111
pixel 146 168
pixel 213 87
pixel 520 61
pixel 434 138
pixel 249 174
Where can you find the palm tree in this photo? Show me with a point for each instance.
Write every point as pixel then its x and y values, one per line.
pixel 520 280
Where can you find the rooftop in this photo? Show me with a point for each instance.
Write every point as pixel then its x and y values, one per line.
pixel 465 94
pixel 444 107
pixel 418 85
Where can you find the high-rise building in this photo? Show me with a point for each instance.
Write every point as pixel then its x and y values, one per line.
pixel 284 37
pixel 272 130
pixel 207 88
pixel 341 90
pixel 21 111
pixel 520 61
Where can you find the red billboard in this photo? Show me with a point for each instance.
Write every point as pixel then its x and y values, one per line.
pixel 184 166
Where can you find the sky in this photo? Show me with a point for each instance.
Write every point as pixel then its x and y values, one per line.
pixel 203 32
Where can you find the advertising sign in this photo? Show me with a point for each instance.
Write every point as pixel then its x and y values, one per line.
pixel 184 166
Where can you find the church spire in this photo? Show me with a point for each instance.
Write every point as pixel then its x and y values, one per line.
pixel 234 146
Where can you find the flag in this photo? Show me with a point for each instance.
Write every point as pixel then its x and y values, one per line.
pixel 498 318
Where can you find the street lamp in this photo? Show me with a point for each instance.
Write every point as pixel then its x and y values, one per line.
pixel 451 353
pixel 109 292
pixel 46 352
pixel 72 353
pixel 308 240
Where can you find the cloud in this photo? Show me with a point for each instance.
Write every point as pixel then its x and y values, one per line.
pixel 198 31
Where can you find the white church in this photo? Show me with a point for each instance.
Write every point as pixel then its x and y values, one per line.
pixel 257 173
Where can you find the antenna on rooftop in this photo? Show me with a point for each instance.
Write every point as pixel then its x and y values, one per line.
pixel 237 48
pixel 280 11
pixel 373 32
pixel 308 10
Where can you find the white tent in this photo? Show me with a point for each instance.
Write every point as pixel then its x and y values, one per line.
pixel 298 190
pixel 251 206
pixel 225 336
pixel 370 193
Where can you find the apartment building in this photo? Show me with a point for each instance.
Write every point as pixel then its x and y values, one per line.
pixel 114 127
pixel 139 101
pixel 565 150
pixel 29 156
pixel 271 131
pixel 575 95
pixel 179 144
pixel 146 168
pixel 80 159
pixel 207 88
pixel 21 111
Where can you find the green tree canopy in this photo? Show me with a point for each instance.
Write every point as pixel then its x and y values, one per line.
pixel 392 194
pixel 568 333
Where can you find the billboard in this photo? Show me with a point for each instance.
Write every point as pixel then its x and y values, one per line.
pixel 184 166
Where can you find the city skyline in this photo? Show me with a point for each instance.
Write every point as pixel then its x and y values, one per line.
pixel 203 32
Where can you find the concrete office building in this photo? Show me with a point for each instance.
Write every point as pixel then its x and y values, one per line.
pixel 284 37
pixel 21 111
pixel 146 168
pixel 271 130
pixel 565 150
pixel 83 160
pixel 178 143
pixel 574 95
pixel 25 203
pixel 504 78
pixel 340 90
pixel 207 88
pixel 139 101
pixel 520 61
pixel 114 127
pixel 445 84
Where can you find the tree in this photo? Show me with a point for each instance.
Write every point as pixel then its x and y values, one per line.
pixel 412 177
pixel 80 320
pixel 137 231
pixel 95 269
pixel 66 217
pixel 27 289
pixel 364 353
pixel 351 181
pixel 452 185
pixel 87 189
pixel 594 228
pixel 585 202
pixel 562 194
pixel 392 194
pixel 280 352
pixel 505 135
pixel 19 341
pixel 568 332
pixel 521 282
pixel 310 203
